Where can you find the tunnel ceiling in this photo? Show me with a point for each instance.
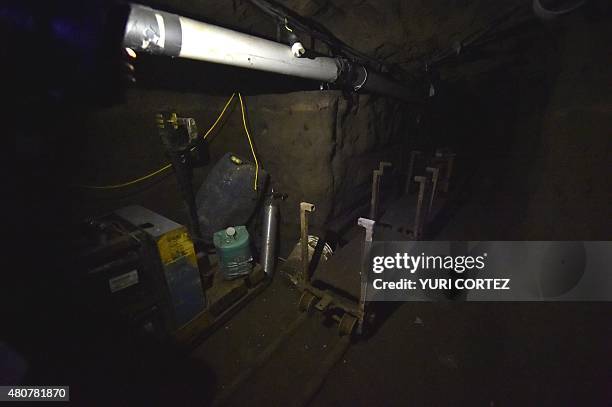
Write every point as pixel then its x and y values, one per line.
pixel 402 33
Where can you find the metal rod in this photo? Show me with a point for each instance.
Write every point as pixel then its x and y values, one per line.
pixel 269 236
pixel 435 173
pixel 368 225
pixel 305 207
pixel 375 189
pixel 377 174
pixel 419 217
pixel 411 170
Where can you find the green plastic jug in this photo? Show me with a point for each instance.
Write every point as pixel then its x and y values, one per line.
pixel 234 252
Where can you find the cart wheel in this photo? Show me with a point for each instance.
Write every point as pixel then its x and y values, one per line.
pixel 347 324
pixel 307 301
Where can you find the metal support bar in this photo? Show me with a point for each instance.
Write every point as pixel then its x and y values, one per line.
pixel 410 180
pixel 368 225
pixel 305 207
pixel 377 174
pixel 435 173
pixel 421 208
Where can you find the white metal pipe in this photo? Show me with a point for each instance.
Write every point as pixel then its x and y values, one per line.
pixel 159 32
pixel 149 30
pixel 207 42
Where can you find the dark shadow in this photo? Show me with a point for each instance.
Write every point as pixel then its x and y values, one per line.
pixel 188 76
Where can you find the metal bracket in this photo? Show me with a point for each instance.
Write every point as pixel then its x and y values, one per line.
pixel 368 225
pixel 324 303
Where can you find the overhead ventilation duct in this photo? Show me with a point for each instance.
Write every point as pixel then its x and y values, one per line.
pixel 162 33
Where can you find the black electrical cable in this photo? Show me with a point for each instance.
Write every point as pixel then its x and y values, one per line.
pixel 285 16
pixel 483 35
pixel 517 15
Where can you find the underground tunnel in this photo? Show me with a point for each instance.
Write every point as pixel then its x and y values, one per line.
pixel 309 203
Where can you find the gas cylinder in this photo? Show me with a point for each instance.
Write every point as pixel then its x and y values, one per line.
pixel 269 235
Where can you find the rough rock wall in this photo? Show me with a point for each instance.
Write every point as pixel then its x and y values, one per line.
pixel 322 148
pixel 576 141
pixel 317 146
pixel 377 131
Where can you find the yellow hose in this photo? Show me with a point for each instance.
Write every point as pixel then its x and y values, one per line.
pixel 165 167
pixel 246 129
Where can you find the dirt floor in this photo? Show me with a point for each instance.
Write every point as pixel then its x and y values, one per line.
pixel 493 354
